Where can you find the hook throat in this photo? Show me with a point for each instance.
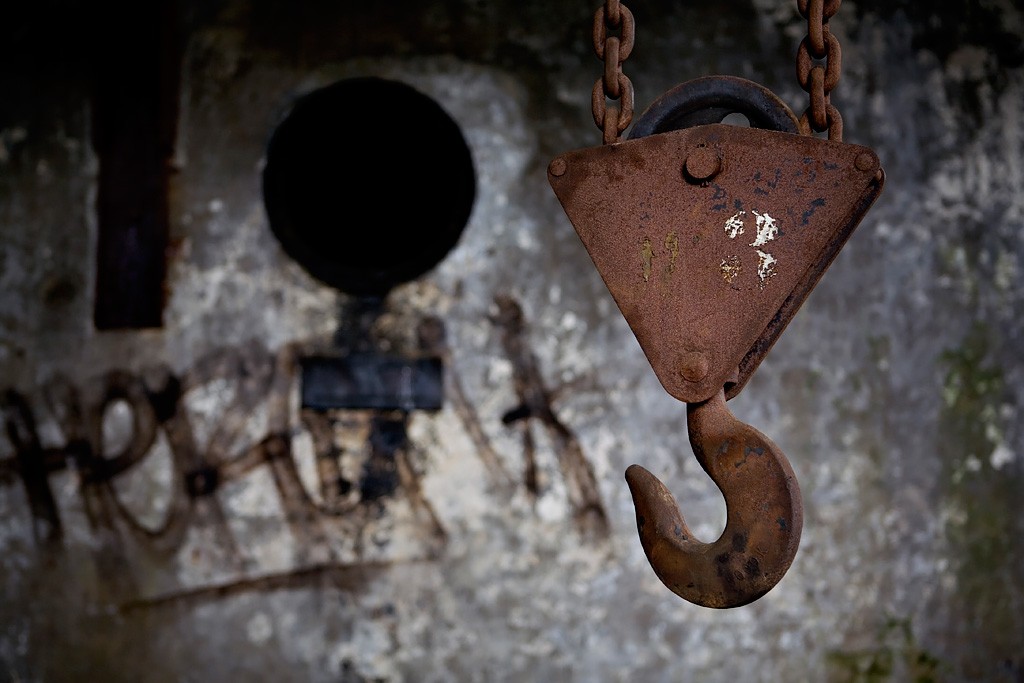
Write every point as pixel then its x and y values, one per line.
pixel 764 514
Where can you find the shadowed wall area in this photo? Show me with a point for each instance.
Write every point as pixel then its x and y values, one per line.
pixel 217 466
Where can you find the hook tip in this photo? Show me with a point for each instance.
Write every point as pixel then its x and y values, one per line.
pixel 635 474
pixel 646 488
pixel 657 512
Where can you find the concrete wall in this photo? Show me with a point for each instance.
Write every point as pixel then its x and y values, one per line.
pixel 896 392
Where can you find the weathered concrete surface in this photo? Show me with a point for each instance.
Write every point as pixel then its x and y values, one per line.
pixel 896 392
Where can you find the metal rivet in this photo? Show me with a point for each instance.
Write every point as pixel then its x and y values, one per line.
pixel 703 164
pixel 865 161
pixel 694 366
pixel 558 167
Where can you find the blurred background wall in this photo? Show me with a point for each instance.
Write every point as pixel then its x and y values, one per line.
pixel 170 512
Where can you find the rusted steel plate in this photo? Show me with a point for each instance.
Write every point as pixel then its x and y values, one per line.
pixel 710 238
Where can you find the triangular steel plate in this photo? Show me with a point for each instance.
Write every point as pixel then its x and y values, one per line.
pixel 708 274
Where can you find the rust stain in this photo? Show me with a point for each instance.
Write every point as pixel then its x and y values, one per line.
pixel 672 244
pixel 647 257
pixel 731 268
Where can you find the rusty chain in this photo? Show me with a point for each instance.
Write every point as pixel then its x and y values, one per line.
pixel 820 79
pixel 613 50
pixel 819 64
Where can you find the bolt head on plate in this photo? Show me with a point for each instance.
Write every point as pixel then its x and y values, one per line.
pixel 703 164
pixel 866 161
pixel 694 366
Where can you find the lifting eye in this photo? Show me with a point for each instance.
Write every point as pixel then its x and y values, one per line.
pixel 368 184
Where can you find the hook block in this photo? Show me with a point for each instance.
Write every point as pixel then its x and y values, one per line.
pixel 711 238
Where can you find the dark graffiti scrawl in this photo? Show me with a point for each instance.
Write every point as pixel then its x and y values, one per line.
pixel 535 403
pixel 255 387
pixel 366 473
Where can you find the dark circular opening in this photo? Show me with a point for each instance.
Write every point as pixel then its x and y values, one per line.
pixel 368 184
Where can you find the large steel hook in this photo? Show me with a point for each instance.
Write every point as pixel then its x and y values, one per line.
pixel 764 519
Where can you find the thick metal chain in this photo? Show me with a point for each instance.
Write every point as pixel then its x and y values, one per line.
pixel 820 79
pixel 613 16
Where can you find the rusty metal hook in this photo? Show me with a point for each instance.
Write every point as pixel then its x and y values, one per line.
pixel 706 307
pixel 764 519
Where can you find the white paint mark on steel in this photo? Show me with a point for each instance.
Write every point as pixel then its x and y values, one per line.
pixel 766 266
pixel 734 226
pixel 767 229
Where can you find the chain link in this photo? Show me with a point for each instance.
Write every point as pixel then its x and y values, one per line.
pixel 821 78
pixel 613 50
